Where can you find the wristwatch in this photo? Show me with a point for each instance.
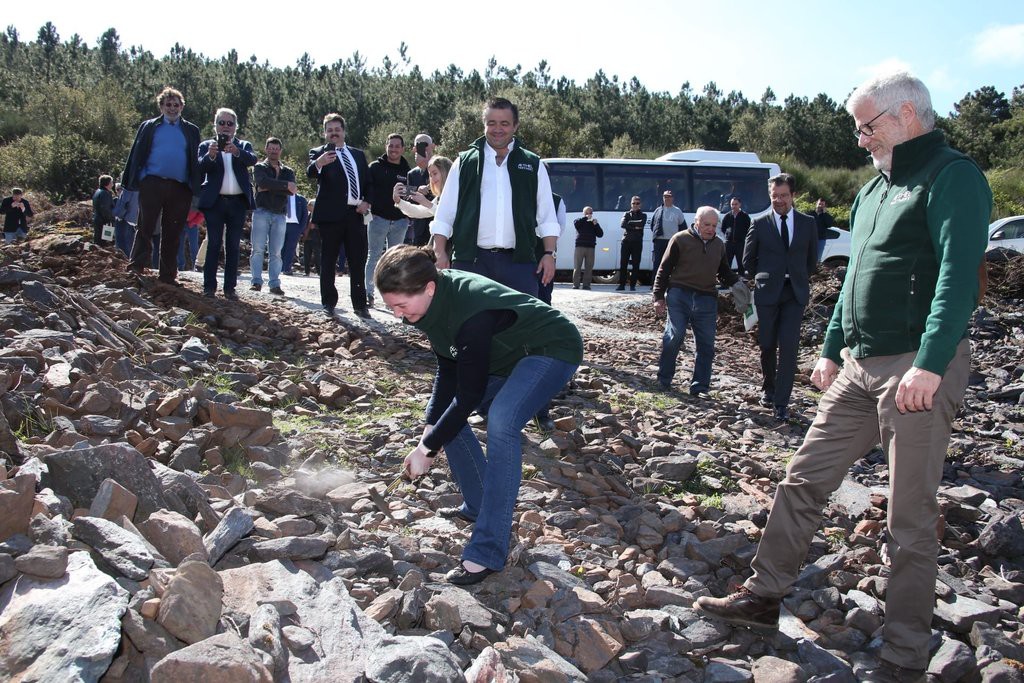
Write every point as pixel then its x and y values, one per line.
pixel 549 253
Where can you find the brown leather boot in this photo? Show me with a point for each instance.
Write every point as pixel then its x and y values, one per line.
pixel 742 608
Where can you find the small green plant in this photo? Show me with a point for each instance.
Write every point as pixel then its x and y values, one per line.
pixel 836 538
pixel 712 500
pixel 35 425
pixel 235 461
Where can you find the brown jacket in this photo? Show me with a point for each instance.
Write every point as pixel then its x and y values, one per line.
pixel 692 263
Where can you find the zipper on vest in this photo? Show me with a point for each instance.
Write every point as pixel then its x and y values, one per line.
pixel 913 280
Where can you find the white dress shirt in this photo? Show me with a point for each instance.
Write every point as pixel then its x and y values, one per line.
pixel 353 192
pixel 496 228
pixel 230 183
pixel 777 220
pixel 291 216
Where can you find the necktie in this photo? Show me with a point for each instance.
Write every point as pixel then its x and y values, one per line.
pixel 353 184
pixel 785 232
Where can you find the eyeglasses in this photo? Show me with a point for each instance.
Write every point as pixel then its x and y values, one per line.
pixel 226 123
pixel 866 129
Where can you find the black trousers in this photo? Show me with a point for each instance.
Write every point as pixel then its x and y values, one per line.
pixel 631 251
pixel 168 201
pixel 350 232
pixel 779 338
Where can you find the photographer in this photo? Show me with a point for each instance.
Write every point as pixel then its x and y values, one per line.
pixel 587 232
pixel 388 226
pixel 412 201
pixel 419 228
pixel 16 211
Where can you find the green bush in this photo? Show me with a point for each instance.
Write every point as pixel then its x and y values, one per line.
pixel 1007 191
pixel 65 168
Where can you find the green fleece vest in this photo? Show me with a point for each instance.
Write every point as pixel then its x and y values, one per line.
pixel 917 239
pixel 539 330
pixel 523 169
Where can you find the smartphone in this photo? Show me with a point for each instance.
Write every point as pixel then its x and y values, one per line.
pixel 222 140
pixel 408 190
pixel 330 147
pixel 421 148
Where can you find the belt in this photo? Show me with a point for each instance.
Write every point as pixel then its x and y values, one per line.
pixel 498 250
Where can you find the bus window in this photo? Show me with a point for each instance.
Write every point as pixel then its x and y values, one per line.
pixel 576 183
pixel 717 186
pixel 624 181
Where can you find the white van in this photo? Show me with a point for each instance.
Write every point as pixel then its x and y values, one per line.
pixel 696 177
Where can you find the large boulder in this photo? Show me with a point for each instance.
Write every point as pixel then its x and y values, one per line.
pixel 78 474
pixel 345 638
pixel 66 629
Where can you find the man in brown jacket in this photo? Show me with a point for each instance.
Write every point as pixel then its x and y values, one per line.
pixel 686 286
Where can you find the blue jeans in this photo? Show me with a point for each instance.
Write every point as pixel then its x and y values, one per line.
pixel 224 221
pixel 821 248
pixel 292 233
pixel 509 403
pixel 191 235
pixel 17 234
pixel 688 308
pixel 124 235
pixel 267 226
pixel 382 230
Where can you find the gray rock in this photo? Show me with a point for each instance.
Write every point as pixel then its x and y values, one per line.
pixel 224 658
pixel 344 637
pixel 78 475
pixel 194 351
pixel 186 457
pixel 1002 536
pixel 122 550
pixel 44 562
pixel 529 655
pixel 265 634
pixel 1005 590
pixel 401 659
pixel 191 604
pixel 821 662
pixel 366 561
pixel 711 552
pixel 148 636
pixel 453 608
pixel 856 598
pixel 1002 672
pixel 66 630
pixel 46 531
pixel 777 670
pixel 719 671
pixel 704 633
pixel 673 467
pixel 291 548
pixel 7 569
pixel 285 501
pixel 16 497
pixel 173 535
pixel 952 661
pixel 851 498
pixel 559 577
pixel 815 575
pixel 985 637
pixel 682 568
pixel 962 613
pixel 233 527
pixel 100 425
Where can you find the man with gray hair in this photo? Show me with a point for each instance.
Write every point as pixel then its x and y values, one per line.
pixel 899 333
pixel 419 228
pixel 685 286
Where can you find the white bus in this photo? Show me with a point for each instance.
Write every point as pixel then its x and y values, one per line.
pixel 696 177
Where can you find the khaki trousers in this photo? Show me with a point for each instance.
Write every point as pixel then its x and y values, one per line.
pixel 857 412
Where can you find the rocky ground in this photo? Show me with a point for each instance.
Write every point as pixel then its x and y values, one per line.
pixel 196 489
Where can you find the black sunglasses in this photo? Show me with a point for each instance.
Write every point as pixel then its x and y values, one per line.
pixel 226 123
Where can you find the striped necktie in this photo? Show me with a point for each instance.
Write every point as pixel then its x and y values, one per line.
pixel 350 171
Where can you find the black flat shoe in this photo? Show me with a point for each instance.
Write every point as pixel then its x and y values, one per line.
pixel 452 513
pixel 460 576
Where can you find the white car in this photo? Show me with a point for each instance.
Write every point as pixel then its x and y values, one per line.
pixel 1007 233
pixel 837 248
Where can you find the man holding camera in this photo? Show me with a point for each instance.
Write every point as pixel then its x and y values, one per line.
pixel 668 219
pixel 163 167
pixel 419 228
pixel 226 198
pixel 16 211
pixel 343 184
pixel 389 224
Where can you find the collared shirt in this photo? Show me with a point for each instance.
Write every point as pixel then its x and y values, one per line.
pixel 672 221
pixel 230 183
pixel 777 220
pixel 353 192
pixel 496 228
pixel 291 216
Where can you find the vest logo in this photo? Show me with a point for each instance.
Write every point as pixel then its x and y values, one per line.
pixel 525 167
pixel 453 351
pixel 900 198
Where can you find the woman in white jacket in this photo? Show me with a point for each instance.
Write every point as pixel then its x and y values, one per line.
pixel 418 206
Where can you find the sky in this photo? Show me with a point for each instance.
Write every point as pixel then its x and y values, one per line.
pixel 797 47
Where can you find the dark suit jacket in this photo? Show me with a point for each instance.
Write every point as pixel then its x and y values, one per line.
pixel 301 211
pixel 213 172
pixel 139 154
pixel 765 257
pixel 332 185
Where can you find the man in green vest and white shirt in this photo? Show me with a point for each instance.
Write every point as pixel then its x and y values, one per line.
pixel 501 207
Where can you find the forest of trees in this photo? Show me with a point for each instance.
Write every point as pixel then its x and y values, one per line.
pixel 69 111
